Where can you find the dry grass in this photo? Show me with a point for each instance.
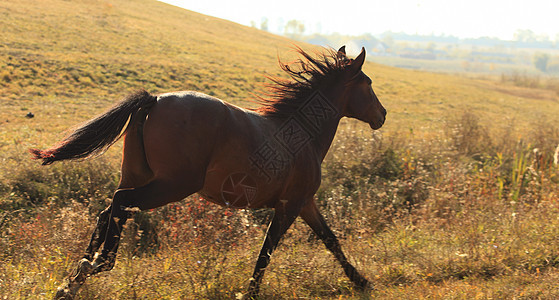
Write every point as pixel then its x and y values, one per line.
pixel 449 200
pixel 421 218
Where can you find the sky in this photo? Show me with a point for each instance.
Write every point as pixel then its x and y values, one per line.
pixel 464 19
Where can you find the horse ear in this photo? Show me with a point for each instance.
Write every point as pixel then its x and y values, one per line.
pixel 342 50
pixel 358 61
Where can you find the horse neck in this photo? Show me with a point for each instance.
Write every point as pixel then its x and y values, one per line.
pixel 324 140
pixel 323 112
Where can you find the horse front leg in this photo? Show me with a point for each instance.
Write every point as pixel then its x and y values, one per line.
pixel 312 216
pixel 282 220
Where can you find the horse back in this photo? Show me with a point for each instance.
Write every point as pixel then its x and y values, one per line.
pixel 230 153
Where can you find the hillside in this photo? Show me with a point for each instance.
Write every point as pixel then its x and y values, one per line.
pixel 449 199
pixel 101 50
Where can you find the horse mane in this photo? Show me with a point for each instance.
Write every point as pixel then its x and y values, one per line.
pixel 307 74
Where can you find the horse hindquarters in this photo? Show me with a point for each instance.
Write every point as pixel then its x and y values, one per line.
pixel 153 174
pixel 135 172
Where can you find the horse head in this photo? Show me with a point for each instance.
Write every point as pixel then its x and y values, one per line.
pixel 360 99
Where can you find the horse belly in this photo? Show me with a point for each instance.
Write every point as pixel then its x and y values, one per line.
pixel 238 189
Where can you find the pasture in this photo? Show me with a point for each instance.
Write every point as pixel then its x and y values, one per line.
pixel 456 197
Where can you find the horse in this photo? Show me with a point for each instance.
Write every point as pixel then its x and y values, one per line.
pixel 180 143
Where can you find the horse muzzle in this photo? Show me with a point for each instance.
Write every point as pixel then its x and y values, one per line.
pixel 377 124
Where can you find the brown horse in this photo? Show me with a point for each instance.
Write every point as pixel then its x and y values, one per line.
pixel 180 143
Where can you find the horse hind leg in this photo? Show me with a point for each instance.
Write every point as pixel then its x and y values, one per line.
pixel 125 203
pixel 135 172
pixel 85 267
pixel 107 232
pixel 98 236
pixel 69 289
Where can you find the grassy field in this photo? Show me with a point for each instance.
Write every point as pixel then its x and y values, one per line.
pixel 456 197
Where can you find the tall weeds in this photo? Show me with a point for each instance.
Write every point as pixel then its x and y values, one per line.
pixel 469 203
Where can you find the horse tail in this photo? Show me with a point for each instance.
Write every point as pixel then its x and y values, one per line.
pixel 98 134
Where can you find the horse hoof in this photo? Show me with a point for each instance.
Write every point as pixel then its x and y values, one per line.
pixel 63 293
pixel 83 270
pixel 85 265
pixel 364 285
pixel 251 294
pixel 247 296
pixel 70 289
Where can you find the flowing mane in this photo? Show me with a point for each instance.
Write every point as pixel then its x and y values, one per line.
pixel 306 74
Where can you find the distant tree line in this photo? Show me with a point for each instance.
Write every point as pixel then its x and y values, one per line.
pixel 430 47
